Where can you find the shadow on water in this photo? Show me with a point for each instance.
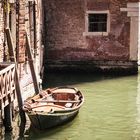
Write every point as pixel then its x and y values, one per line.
pixel 38 134
pixel 23 133
pixel 67 79
pixel 18 130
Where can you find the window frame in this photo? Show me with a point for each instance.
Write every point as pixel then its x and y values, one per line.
pixel 87 33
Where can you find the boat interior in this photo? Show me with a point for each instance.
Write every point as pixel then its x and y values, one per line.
pixel 55 100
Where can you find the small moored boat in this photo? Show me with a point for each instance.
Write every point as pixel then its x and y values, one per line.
pixel 53 107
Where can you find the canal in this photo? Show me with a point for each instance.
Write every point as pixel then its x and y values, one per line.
pixel 111 110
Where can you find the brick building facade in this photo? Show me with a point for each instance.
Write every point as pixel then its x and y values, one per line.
pixel 91 35
pixel 22 16
pixel 30 22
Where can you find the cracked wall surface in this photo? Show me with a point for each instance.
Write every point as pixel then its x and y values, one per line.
pixel 65 27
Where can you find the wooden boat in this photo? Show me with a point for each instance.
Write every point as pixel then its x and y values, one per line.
pixel 53 107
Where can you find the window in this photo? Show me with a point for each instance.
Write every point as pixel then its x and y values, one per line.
pixel 97 23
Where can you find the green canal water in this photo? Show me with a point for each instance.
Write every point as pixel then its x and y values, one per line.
pixel 111 110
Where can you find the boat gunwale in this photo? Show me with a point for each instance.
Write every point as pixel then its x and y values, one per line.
pixel 57 111
pixel 65 109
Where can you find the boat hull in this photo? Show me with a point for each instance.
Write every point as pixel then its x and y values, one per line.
pixel 53 107
pixel 45 121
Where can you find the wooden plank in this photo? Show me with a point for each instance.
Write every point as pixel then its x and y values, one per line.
pixel 10 45
pixel 3 71
pixel 18 89
pixel 31 63
pixel 4 64
pixel 56 101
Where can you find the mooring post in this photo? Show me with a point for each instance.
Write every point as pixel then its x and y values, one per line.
pixel 8 118
pixel 31 64
pixel 18 89
pixel 1 121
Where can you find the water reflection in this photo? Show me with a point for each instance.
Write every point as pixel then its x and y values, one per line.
pixel 18 131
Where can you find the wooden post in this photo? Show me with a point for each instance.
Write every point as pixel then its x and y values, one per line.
pixel 31 63
pixel 18 89
pixel 8 118
pixel 34 20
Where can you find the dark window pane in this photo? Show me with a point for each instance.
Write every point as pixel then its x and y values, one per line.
pixel 97 22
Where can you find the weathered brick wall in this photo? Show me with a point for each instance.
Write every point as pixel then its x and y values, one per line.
pixel 1 33
pixel 65 25
pixel 21 32
pixel 115 46
pixel 26 80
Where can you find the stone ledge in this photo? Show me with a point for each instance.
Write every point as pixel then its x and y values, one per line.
pixel 127 67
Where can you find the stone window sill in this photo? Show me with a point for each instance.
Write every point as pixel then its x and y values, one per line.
pixel 95 34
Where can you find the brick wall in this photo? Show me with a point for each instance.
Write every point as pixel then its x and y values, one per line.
pixel 21 32
pixel 1 33
pixel 65 27
pixel 26 80
pixel 21 16
pixel 64 24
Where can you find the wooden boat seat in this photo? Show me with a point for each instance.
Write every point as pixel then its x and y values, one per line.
pixel 63 96
pixel 48 108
